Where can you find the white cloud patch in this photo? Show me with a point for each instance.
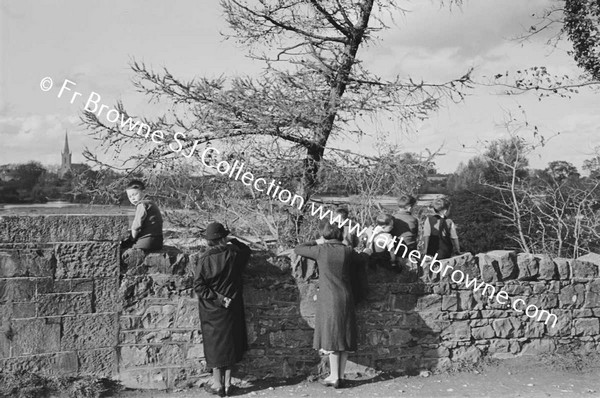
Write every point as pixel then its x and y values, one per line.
pixel 41 138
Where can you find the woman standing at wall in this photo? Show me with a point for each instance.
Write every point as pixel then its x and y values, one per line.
pixel 335 319
pixel 218 284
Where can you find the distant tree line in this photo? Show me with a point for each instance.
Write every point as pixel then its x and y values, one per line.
pixel 501 202
pixel 33 183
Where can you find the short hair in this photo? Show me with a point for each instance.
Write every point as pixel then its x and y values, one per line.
pixel 136 184
pixel 330 231
pixel 384 219
pixel 440 204
pixel 343 211
pixel 406 200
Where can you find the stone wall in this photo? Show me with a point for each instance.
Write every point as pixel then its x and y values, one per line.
pixel 59 277
pixel 67 307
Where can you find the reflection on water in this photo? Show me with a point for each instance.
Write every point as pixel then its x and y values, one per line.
pixel 63 207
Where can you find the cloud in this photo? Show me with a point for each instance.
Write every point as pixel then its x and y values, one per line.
pixel 40 137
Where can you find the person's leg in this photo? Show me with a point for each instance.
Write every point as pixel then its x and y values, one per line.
pixel 217 378
pixel 343 360
pixel 227 381
pixel 334 367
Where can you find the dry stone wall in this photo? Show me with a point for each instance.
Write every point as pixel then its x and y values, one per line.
pixel 70 306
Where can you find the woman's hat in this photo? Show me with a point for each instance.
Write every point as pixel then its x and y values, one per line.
pixel 215 230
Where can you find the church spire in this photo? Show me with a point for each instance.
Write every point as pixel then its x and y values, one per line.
pixel 66 150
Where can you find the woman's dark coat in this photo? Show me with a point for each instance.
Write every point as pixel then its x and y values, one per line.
pixel 218 274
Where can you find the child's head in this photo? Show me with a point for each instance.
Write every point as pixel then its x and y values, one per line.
pixel 330 231
pixel 385 221
pixel 343 212
pixel 441 206
pixel 406 202
pixel 135 191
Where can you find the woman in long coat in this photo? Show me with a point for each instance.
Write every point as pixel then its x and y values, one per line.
pixel 335 318
pixel 218 285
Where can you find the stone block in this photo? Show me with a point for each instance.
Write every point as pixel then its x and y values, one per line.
pixel 35 336
pixel 594 286
pixel 450 302
pixel 461 316
pixel 466 301
pixel 501 348
pixel 62 228
pixel 5 346
pixel 64 303
pixel 27 261
pixel 583 313
pixel 194 374
pixel 457 331
pixel 401 337
pixel 562 327
pixel 430 302
pixel 529 267
pixel 101 362
pixel 106 294
pixel 169 260
pixel 586 327
pixel 534 329
pixel 405 302
pixel 482 333
pixel 586 266
pixel 17 289
pixel 538 346
pixel 159 316
pixel 464 263
pixel 54 364
pixel 469 354
pixel 85 332
pixel 291 338
pixel 150 355
pixel 572 296
pixel 195 351
pixel 543 301
pixel 547 268
pixel 187 314
pixel 141 379
pixel 16 310
pixel 563 268
pixel 514 288
pixel 592 300
pixel 508 328
pixel 87 260
pixel 498 265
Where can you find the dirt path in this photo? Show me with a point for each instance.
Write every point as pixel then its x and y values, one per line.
pixel 522 377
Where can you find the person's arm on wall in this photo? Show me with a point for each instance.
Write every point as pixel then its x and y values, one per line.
pixel 454 237
pixel 308 250
pixel 138 220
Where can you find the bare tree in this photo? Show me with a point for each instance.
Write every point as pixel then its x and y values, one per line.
pixel 314 88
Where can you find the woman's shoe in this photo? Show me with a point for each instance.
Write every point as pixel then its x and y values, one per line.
pixel 230 391
pixel 334 384
pixel 215 391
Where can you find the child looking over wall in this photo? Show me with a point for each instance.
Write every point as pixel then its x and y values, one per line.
pixel 439 232
pixel 380 243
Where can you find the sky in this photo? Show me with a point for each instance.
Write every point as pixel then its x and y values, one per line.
pixel 93 43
